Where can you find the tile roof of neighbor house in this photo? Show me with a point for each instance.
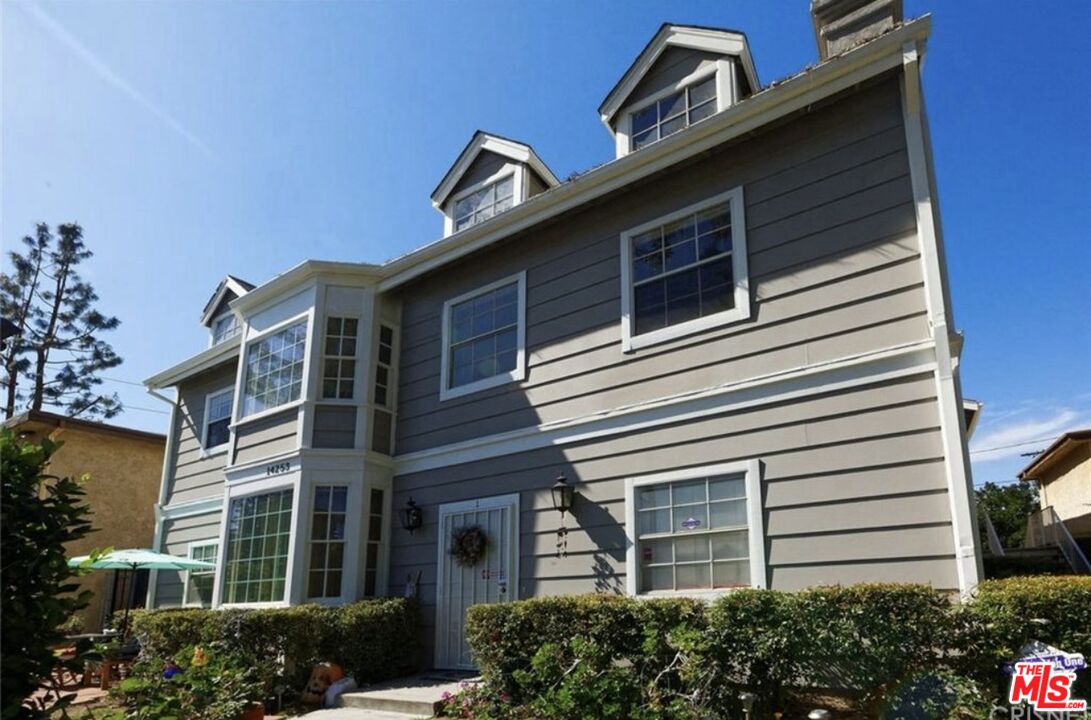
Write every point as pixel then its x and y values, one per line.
pixel 56 420
pixel 1058 450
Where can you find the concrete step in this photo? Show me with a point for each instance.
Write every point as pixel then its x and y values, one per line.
pixel 356 714
pixel 418 696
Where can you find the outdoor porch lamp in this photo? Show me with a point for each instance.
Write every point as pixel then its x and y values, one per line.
pixel 563 495
pixel 411 516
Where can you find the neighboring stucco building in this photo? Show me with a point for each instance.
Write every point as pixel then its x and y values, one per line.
pixel 1063 475
pixel 735 340
pixel 125 467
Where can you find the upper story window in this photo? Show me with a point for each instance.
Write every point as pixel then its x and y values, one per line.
pixel 697 530
pixel 383 367
pixel 482 204
pixel 274 369
pixel 224 327
pixel 483 337
pixel 685 272
pixel 673 113
pixel 339 361
pixel 217 426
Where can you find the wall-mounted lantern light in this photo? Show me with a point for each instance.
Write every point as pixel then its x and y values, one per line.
pixel 411 516
pixel 563 495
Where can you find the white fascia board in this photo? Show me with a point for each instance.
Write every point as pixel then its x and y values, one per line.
pixel 276 289
pixel 829 78
pixel 197 364
pixel 229 284
pixel 723 42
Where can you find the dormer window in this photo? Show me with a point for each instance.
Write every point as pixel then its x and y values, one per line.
pixel 673 113
pixel 224 328
pixel 480 205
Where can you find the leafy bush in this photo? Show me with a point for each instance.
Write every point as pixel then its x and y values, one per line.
pixel 372 639
pixel 39 514
pixel 899 650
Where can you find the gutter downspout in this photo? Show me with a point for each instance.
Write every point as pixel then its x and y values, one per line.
pixel 168 461
pixel 967 548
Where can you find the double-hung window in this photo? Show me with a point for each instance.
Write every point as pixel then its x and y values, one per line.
pixel 673 113
pixel 685 272
pixel 482 204
pixel 259 528
pixel 327 541
pixel 199 583
pixel 217 427
pixel 339 361
pixel 483 337
pixel 274 369
pixel 696 530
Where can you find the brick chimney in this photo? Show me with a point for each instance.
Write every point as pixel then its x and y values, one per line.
pixel 840 25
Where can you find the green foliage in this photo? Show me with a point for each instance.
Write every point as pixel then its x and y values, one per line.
pixel 39 513
pixel 58 356
pixel 221 688
pixel 1008 506
pixel 372 639
pixel 904 651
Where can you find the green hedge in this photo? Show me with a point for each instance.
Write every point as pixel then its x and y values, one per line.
pixel 372 639
pixel 882 645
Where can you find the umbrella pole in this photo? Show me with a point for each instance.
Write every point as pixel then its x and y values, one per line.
pixel 128 602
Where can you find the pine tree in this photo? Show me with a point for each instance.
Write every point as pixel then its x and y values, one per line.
pixel 57 359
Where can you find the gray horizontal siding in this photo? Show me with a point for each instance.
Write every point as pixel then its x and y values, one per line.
pixel 266 437
pixel 853 489
pixel 191 476
pixel 177 535
pixel 834 270
pixel 334 426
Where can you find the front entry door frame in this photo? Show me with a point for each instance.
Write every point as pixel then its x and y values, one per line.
pixel 444 560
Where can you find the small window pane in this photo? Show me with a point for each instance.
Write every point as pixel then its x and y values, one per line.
pixel 730 513
pixel 727 488
pixel 690 518
pixel 700 113
pixel 731 574
pixel 689 492
pixel 691 549
pixel 655 521
pixel 645 138
pixel 692 577
pixel 672 126
pixel 653 497
pixel 657 578
pixel 730 546
pixel 644 119
pixel 672 105
pixel 702 91
pixel 657 551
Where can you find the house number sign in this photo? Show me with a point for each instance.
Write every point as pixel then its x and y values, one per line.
pixel 277 468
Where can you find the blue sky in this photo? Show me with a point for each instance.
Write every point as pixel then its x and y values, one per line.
pixel 197 139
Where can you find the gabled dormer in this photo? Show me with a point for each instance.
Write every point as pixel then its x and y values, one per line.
pixel 217 316
pixel 684 75
pixel 491 175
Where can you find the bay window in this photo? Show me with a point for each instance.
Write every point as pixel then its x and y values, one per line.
pixel 327 555
pixel 274 369
pixel 256 559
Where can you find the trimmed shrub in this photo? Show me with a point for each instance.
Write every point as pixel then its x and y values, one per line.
pixel 372 639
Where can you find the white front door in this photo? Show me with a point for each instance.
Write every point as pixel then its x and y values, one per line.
pixel 494 578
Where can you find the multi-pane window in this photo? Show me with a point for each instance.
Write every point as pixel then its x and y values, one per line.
pixel 218 421
pixel 483 339
pixel 382 368
pixel 224 327
pixel 673 113
pixel 199 582
pixel 258 531
pixel 374 539
pixel 693 534
pixel 339 362
pixel 481 205
pixel 683 270
pixel 327 541
pixel 274 369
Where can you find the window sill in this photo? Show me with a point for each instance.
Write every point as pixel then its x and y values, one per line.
pixel 266 413
pixel 632 343
pixel 705 595
pixel 213 452
pixel 253 605
pixel 446 393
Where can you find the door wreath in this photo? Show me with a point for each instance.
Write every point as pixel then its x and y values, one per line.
pixel 468 545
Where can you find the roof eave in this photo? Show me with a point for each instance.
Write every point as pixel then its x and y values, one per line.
pixel 1050 453
pixel 194 365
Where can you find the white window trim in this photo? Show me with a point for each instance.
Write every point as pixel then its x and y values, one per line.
pixel 517 171
pixel 324 356
pixel 244 355
pixel 221 448
pixel 623 131
pixel 212 329
pixel 186 602
pixel 741 311
pixel 755 524
pixel 520 371
pixel 348 575
pixel 260 487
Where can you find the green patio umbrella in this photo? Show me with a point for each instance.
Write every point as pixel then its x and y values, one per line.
pixel 138 559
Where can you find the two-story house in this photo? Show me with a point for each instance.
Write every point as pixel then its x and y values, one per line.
pixel 734 341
